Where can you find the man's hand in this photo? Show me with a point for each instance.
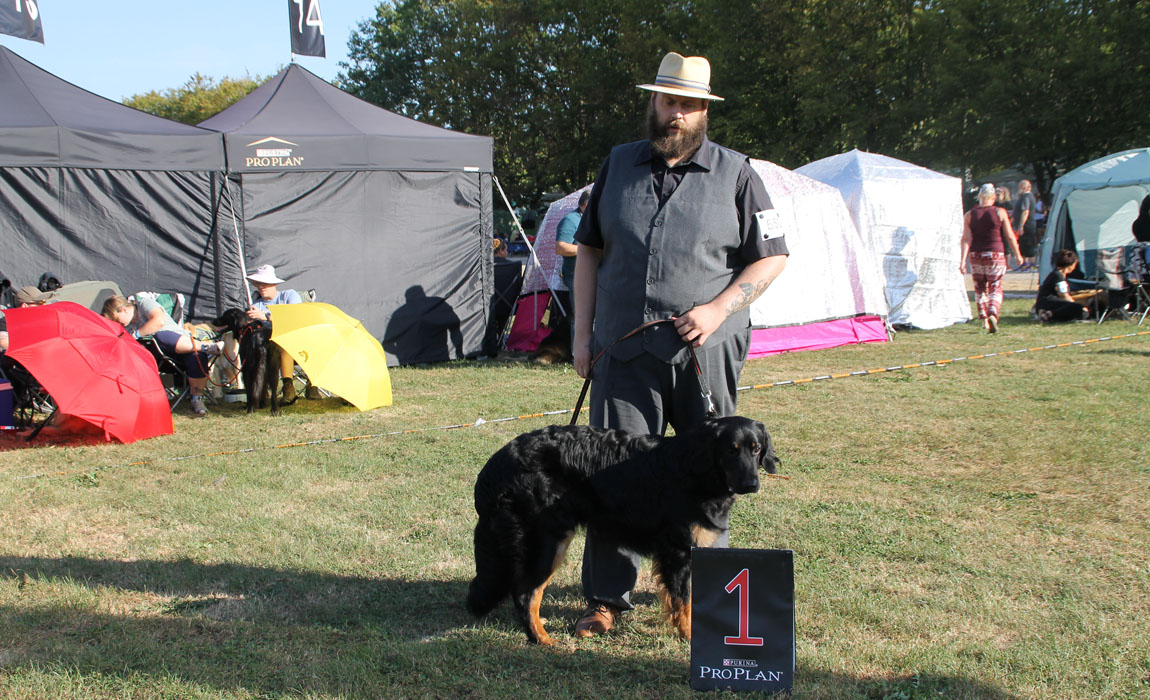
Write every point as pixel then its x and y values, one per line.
pixel 581 358
pixel 699 323
pixel 256 314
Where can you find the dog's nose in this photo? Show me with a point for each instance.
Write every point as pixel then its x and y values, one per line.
pixel 748 486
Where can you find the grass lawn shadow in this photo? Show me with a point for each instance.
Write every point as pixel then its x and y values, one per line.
pixel 244 630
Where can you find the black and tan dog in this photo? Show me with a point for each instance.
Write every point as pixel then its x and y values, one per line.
pixel 656 496
pixel 259 358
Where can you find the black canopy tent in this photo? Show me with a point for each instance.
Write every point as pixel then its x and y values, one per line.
pixel 387 218
pixel 91 189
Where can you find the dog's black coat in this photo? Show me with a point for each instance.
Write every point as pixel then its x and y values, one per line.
pixel 656 496
pixel 259 358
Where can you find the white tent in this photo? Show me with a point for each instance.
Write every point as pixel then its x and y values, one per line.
pixel 1093 207
pixel 911 220
pixel 830 293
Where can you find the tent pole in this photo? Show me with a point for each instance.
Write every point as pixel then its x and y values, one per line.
pixel 239 239
pixel 534 258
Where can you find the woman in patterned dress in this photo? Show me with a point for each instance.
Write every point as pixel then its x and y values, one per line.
pixel 985 228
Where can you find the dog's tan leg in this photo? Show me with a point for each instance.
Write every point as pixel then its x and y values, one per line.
pixel 678 613
pixel 534 621
pixel 684 622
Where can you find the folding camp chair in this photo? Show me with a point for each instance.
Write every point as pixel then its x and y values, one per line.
pixel 173 374
pixel 1138 277
pixel 29 400
pixel 1113 274
pixel 528 324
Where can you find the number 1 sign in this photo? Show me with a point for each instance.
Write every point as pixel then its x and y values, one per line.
pixel 742 619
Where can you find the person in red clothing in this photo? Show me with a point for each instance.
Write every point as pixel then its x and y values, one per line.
pixel 985 228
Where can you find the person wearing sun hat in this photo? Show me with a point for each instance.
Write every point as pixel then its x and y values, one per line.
pixel 25 297
pixel 679 228
pixel 268 295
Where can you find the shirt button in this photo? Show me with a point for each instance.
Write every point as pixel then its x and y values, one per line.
pixel 654 251
pixel 658 222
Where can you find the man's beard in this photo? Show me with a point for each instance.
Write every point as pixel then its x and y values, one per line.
pixel 677 146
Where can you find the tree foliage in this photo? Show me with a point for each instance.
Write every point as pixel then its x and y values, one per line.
pixel 957 85
pixel 196 100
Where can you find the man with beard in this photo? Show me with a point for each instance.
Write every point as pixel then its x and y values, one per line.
pixel 681 229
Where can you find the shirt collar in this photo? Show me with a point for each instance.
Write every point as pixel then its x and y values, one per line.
pixel 701 157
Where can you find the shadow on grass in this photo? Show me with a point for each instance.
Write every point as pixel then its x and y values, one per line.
pixel 243 630
pixel 257 594
pixel 1125 352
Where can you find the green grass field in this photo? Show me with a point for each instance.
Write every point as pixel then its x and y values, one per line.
pixel 973 530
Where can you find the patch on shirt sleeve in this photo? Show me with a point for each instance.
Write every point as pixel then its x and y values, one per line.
pixel 769 224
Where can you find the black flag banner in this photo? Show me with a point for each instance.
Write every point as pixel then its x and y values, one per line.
pixel 742 619
pixel 22 18
pixel 306 27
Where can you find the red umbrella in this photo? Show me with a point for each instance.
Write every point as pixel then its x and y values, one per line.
pixel 92 367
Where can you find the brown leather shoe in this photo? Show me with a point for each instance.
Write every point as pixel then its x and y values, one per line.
pixel 598 618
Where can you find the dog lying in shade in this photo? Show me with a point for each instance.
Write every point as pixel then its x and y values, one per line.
pixel 259 358
pixel 657 496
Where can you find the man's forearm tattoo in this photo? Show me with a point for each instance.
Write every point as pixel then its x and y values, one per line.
pixel 747 294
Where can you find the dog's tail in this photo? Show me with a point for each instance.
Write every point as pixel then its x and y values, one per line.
pixel 492 582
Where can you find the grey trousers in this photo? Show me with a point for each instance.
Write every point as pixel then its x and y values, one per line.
pixel 644 396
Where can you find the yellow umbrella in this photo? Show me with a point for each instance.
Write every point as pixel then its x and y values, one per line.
pixel 336 351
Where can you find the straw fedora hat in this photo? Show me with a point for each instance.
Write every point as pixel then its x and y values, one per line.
pixel 688 76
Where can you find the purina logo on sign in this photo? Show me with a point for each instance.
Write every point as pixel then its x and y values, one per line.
pixel 272 152
pixel 742 619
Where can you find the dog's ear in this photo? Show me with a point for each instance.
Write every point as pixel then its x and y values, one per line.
pixel 705 447
pixel 768 460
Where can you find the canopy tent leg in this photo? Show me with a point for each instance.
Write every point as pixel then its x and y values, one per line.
pixel 530 247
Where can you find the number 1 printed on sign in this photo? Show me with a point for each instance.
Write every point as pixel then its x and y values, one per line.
pixel 742 582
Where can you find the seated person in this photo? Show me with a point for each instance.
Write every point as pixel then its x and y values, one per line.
pixel 1055 302
pixel 27 296
pixel 145 317
pixel 265 281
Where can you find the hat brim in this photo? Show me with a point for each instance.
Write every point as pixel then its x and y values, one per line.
pixel 266 280
pixel 681 92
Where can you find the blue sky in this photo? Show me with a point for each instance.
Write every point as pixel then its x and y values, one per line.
pixel 120 48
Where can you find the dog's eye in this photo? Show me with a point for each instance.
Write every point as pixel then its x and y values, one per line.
pixel 756 448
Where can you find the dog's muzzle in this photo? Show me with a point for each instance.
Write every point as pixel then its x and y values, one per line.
pixel 747 486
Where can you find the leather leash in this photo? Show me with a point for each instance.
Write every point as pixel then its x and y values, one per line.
pixel 704 389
